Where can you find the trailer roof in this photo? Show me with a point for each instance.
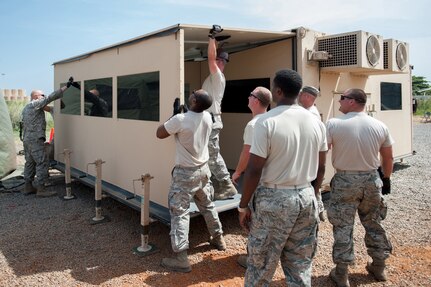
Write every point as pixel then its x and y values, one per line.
pixel 196 40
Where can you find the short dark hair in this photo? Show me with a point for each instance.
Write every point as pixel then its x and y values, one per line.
pixel 203 100
pixel 289 81
pixel 358 95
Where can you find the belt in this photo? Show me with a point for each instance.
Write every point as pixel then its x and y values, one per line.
pixel 279 186
pixel 355 171
pixel 190 167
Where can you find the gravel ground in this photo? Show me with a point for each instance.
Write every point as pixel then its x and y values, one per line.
pixel 50 242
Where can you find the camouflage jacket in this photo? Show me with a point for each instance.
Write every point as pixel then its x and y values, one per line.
pixel 33 117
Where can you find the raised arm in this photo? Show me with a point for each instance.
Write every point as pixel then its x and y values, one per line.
pixel 212 55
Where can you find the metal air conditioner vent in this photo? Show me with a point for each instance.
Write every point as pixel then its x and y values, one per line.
pixel 352 52
pixel 395 56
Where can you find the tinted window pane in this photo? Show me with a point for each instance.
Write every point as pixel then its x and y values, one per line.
pixel 71 100
pixel 139 96
pixel 235 99
pixel 98 97
pixel 390 96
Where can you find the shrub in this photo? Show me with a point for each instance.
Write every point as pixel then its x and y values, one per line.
pixel 423 106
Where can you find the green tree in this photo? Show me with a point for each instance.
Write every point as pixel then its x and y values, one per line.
pixel 419 83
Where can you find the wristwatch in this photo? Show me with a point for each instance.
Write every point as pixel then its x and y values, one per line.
pixel 242 209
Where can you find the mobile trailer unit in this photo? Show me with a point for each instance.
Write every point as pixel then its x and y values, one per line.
pixel 140 78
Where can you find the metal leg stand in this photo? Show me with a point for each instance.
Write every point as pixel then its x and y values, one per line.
pixel 145 248
pixel 98 194
pixel 69 194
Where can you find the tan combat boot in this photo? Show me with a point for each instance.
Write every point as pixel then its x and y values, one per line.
pixel 224 190
pixel 42 192
pixel 340 275
pixel 28 188
pixel 180 263
pixel 377 269
pixel 218 242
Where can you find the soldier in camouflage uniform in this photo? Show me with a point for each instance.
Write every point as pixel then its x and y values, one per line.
pixel 215 84
pixel 288 147
pixel 356 140
pixel 190 178
pixel 34 129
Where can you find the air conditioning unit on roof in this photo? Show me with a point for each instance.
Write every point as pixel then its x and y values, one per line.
pixel 352 52
pixel 395 56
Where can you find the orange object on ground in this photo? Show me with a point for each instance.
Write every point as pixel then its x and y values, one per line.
pixel 51 135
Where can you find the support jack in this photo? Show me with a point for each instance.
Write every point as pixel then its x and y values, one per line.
pixel 99 218
pixel 145 249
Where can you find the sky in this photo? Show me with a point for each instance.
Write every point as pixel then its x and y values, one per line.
pixel 36 33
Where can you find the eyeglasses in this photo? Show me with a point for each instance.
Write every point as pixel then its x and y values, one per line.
pixel 345 97
pixel 254 96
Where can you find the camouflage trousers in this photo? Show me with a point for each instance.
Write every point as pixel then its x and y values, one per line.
pixel 359 192
pixel 36 163
pixel 283 227
pixel 190 184
pixel 216 162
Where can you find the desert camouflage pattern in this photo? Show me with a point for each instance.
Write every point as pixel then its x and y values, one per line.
pixel 216 162
pixel 283 228
pixel 191 184
pixel 36 162
pixel 360 193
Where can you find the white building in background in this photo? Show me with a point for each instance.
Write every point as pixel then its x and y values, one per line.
pixel 14 94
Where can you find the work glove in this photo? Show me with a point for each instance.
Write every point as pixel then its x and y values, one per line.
pixel 179 108
pixel 386 188
pixel 222 38
pixel 176 106
pixel 215 30
pixel 69 83
pixel 76 85
pixel 183 109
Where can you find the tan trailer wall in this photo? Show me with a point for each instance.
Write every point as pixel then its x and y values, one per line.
pixel 261 62
pixel 129 147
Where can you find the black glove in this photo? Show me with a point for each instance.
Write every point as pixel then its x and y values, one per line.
pixel 222 38
pixel 179 108
pixel 215 30
pixel 76 85
pixel 21 130
pixel 69 83
pixel 176 106
pixel 183 109
pixel 386 189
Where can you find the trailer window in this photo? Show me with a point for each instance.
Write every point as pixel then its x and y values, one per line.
pixel 139 96
pixel 98 98
pixel 235 99
pixel 390 96
pixel 71 101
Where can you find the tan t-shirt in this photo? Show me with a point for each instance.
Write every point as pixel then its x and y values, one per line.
pixel 248 131
pixel 290 138
pixel 192 131
pixel 356 140
pixel 215 84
